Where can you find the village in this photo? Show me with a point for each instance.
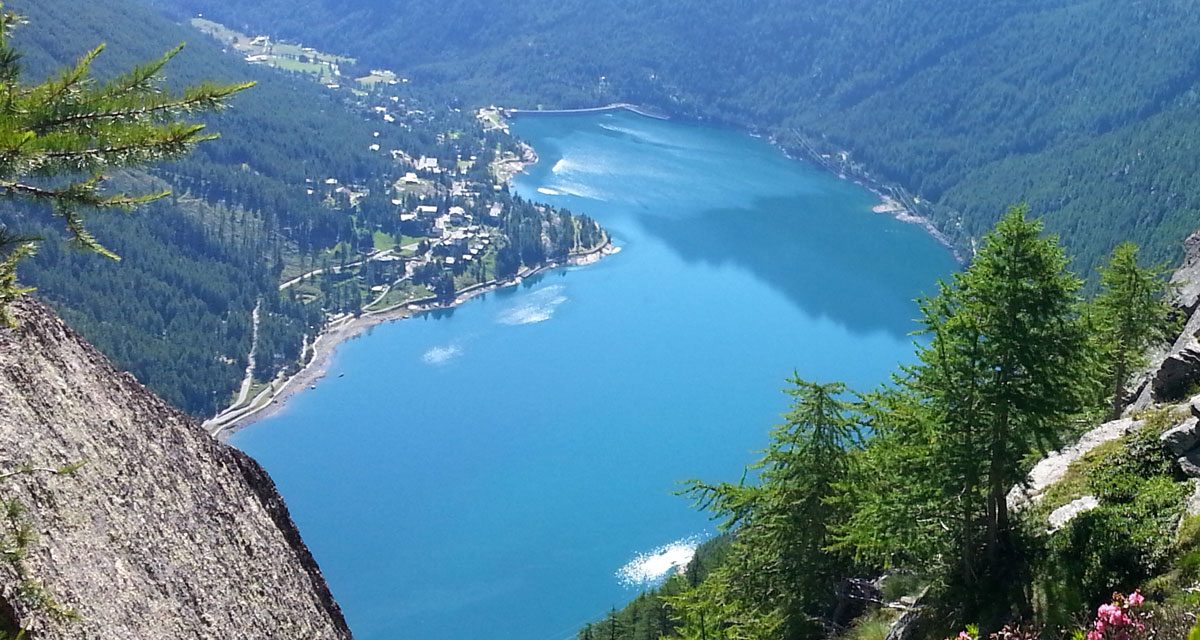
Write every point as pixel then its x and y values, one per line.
pixel 436 224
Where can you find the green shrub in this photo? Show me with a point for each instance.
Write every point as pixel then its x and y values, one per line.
pixel 902 584
pixel 871 626
pixel 1143 454
pixel 1118 545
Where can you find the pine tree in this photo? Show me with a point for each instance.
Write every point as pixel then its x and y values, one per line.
pixel 1006 367
pixel 59 137
pixel 1132 313
pixel 780 578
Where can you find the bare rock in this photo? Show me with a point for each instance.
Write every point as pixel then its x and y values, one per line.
pixel 1184 437
pixel 1173 371
pixel 906 626
pixel 1053 467
pixel 164 532
pixel 1189 464
pixel 1063 515
pixel 1192 507
pixel 1179 371
pixel 1186 279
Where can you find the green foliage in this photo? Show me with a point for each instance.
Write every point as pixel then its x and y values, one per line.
pixel 873 626
pixel 779 579
pixel 58 136
pixel 14 250
pixel 1128 538
pixel 1005 369
pixel 1132 313
pixel 1086 109
pixel 1124 541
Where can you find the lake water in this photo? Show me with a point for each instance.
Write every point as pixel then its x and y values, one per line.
pixel 489 472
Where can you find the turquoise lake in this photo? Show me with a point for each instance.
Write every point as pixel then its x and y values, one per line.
pixel 487 472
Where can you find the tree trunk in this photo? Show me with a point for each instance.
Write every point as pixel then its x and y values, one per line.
pixel 1118 399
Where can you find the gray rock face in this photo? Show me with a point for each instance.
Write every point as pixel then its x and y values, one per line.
pixel 164 532
pixel 1189 464
pixel 1053 467
pixel 1187 278
pixel 1063 515
pixel 1182 438
pixel 1174 371
pixel 1178 371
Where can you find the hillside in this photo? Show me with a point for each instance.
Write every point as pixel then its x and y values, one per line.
pixel 305 209
pixel 176 311
pixel 1083 108
pixel 161 532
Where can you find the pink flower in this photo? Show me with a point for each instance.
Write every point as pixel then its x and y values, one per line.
pixel 963 635
pixel 1136 599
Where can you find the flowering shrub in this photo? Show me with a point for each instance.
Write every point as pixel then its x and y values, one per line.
pixel 1119 619
pixel 1125 618
pixel 1009 632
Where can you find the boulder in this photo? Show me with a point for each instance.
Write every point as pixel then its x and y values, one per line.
pixel 1184 437
pixel 1178 372
pixel 1063 515
pixel 1190 464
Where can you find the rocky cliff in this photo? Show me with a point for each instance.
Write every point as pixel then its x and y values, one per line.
pixel 163 532
pixel 1176 371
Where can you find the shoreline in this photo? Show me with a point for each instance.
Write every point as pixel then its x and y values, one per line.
pixel 274 399
pixel 890 203
pixel 894 201
pixel 616 106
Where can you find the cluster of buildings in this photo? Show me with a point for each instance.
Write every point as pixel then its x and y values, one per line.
pixel 457 236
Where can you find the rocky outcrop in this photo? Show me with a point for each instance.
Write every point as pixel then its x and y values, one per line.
pixel 1063 515
pixel 1174 371
pixel 1053 467
pixel 163 532
pixel 1183 440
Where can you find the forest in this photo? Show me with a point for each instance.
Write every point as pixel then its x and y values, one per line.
pixel 1084 109
pixel 252 209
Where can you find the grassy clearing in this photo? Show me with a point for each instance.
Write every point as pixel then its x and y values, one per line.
pixel 289 64
pixel 400 294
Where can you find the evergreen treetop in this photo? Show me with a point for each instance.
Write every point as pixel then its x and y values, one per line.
pixel 59 138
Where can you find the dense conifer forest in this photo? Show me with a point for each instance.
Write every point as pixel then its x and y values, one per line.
pixel 1085 109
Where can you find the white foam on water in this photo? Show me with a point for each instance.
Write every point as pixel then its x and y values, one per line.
pixel 649 568
pixel 538 306
pixel 549 192
pixel 441 355
pixel 561 166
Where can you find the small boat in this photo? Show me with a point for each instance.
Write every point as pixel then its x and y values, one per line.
pixel 312 386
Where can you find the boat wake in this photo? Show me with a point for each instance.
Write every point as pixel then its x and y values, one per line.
pixel 441 355
pixel 650 568
pixel 538 306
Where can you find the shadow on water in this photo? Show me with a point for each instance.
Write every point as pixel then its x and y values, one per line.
pixel 862 279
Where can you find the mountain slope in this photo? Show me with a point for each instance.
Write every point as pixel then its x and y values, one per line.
pixel 176 311
pixel 163 532
pixel 1085 108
